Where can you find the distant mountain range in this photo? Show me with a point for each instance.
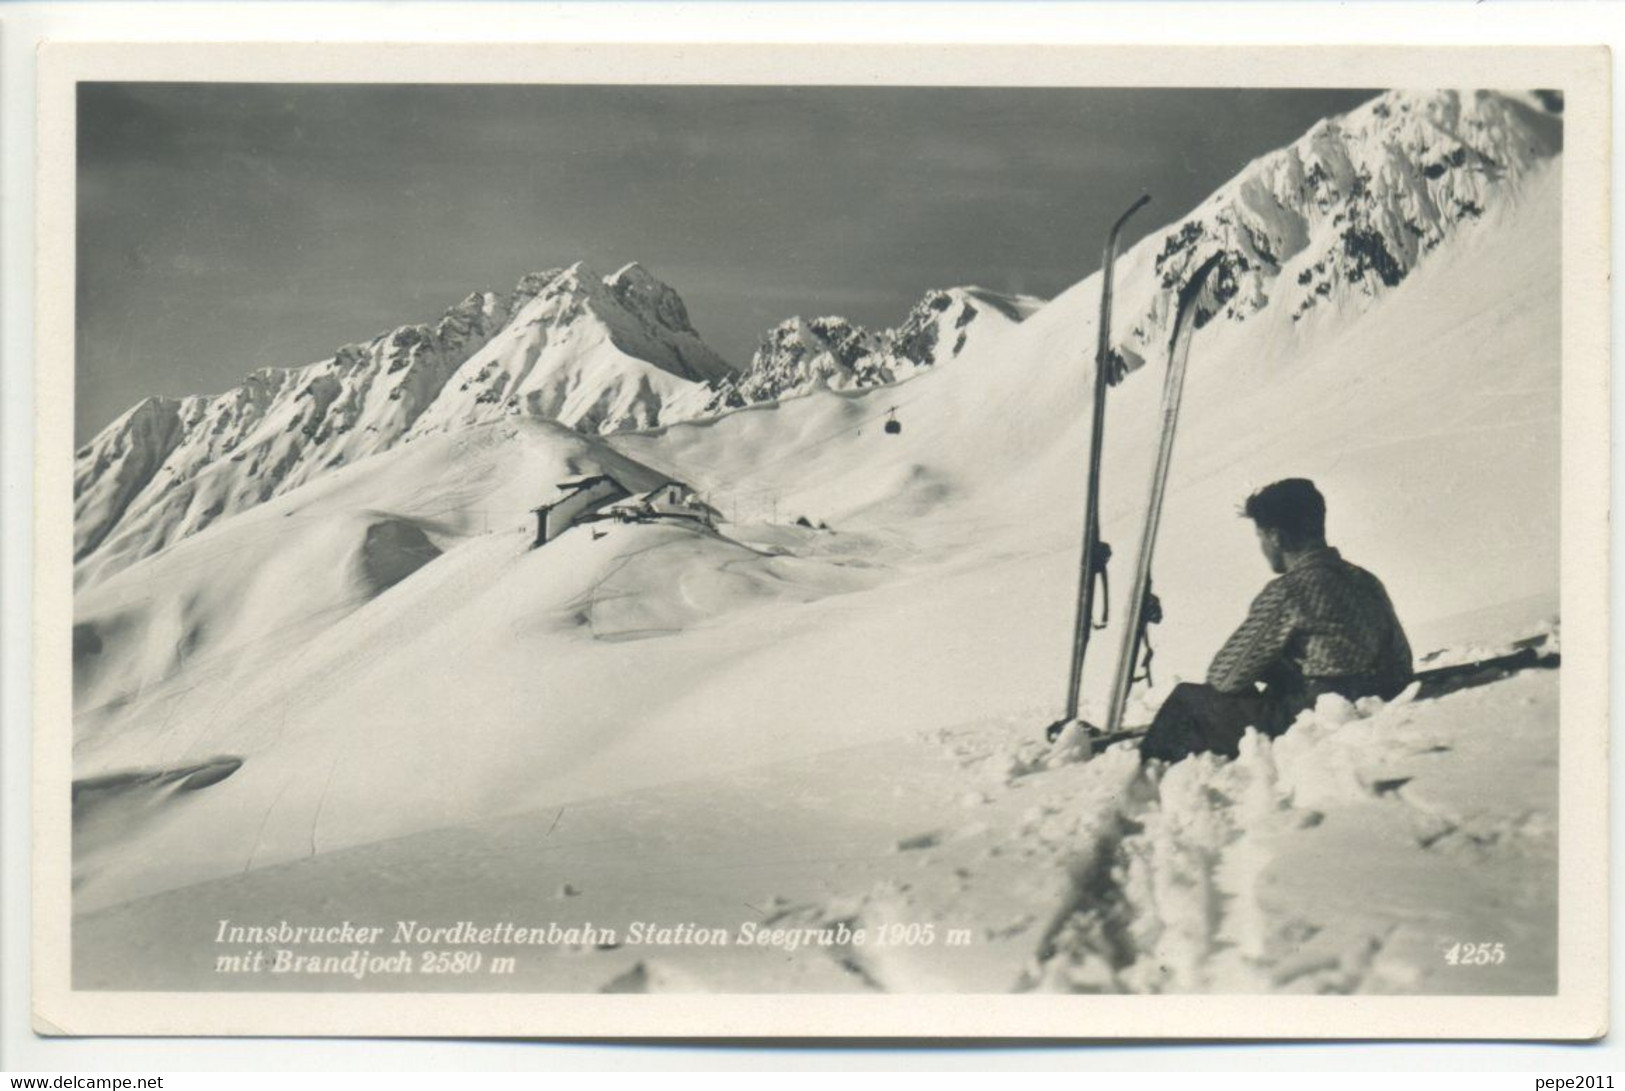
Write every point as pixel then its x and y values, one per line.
pixel 1339 216
pixel 802 353
pixel 595 353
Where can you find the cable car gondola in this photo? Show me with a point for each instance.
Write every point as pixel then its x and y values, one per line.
pixel 893 425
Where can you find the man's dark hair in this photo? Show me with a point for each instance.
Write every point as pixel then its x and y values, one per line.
pixel 1293 507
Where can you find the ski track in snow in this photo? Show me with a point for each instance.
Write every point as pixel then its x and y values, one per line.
pixel 1168 881
pixel 1344 857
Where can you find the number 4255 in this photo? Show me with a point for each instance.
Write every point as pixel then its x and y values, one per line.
pixel 1476 954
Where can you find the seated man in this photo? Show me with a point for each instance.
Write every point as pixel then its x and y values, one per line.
pixel 1321 626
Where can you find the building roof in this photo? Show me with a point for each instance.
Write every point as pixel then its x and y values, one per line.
pixel 572 486
pixel 581 481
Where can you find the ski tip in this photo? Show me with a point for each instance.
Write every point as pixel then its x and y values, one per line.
pixel 1144 199
pixel 1198 280
pixel 1075 733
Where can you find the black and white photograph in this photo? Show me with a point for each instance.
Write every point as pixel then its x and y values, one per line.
pixel 1035 538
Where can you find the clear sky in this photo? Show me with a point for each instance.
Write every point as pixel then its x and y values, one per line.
pixel 226 227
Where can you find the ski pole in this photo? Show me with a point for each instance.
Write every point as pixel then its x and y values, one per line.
pixel 1179 348
pixel 1095 552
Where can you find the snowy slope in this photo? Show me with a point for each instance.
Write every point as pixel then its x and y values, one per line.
pixel 498 684
pixel 1348 857
pixel 1439 394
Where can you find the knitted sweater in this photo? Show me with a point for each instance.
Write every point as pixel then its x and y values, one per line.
pixel 1322 619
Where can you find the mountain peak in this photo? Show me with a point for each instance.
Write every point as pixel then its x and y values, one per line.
pixel 594 353
pixel 801 354
pixel 1347 210
pixel 633 271
pixel 640 291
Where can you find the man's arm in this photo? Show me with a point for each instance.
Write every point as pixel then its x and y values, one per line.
pixel 1257 645
pixel 1399 666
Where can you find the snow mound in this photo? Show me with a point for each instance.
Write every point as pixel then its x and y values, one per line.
pixel 111 808
pixel 392 550
pixel 1348 855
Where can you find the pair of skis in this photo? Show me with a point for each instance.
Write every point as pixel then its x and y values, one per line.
pixel 1143 607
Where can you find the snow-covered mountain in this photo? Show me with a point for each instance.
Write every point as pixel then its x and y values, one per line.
pixel 170 466
pixel 1347 211
pixel 593 353
pixel 802 354
pixel 596 354
pixel 838 690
